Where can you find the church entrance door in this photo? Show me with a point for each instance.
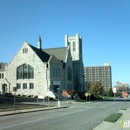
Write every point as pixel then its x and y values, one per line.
pixel 55 88
pixel 4 88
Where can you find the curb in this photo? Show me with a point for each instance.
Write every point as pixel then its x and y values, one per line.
pixel 29 110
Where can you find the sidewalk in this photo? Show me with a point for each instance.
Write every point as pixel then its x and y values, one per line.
pixel 116 126
pixel 5 113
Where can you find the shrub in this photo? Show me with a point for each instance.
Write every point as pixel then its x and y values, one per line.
pixel 29 95
pixel 9 95
pixel 36 96
pixel 110 93
pixel 50 98
pixel 81 95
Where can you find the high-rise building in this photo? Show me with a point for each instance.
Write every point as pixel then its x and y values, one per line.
pixel 98 73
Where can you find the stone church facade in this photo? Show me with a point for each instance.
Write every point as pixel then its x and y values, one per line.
pixel 36 71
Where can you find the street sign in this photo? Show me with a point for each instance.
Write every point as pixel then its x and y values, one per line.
pixel 114 90
pixel 86 94
pixel 124 94
pixel 64 93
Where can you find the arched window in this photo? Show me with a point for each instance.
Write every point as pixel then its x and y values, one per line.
pixel 25 72
pixel 59 72
pixel 30 72
pixel 20 72
pixel 53 71
pixel 56 72
pixel 69 74
pixel 74 46
pixel 25 50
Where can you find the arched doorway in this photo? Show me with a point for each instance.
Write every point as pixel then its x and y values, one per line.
pixel 4 88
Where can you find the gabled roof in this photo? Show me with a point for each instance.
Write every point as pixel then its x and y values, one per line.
pixel 41 54
pixel 59 53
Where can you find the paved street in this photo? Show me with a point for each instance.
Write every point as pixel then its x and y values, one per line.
pixel 83 116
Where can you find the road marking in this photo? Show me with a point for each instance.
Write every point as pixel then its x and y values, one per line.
pixel 40 119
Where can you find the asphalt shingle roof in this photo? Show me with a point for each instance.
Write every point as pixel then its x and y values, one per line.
pixel 41 54
pixel 59 53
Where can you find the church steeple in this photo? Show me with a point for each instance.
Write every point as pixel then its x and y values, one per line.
pixel 39 43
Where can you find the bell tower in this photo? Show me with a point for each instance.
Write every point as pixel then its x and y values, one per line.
pixel 75 44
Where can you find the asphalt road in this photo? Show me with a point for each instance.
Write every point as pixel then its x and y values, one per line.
pixel 79 116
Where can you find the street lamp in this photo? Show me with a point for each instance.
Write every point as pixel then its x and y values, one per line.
pixel 14 89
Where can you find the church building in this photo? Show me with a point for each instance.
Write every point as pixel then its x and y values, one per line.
pixel 36 71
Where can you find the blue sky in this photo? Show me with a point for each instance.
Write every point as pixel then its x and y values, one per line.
pixel 103 24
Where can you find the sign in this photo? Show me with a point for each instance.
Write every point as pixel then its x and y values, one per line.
pixel 64 93
pixel 114 90
pixel 124 94
pixel 56 82
pixel 86 94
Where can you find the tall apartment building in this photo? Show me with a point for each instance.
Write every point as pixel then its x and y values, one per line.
pixel 99 73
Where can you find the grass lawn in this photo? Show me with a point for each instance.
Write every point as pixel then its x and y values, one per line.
pixel 113 118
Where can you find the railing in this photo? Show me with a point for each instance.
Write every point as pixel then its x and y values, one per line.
pixel 56 95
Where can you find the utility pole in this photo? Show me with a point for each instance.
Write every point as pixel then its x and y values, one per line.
pixel 114 91
pixel 14 89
